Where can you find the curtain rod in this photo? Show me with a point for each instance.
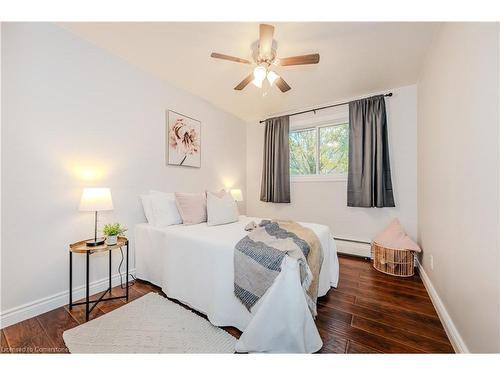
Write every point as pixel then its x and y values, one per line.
pixel 325 107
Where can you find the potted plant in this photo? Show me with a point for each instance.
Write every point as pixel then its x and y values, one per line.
pixel 112 231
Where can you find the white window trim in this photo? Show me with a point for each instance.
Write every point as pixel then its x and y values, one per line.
pixel 332 177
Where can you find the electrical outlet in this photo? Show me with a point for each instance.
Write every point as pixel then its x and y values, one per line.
pixel 431 261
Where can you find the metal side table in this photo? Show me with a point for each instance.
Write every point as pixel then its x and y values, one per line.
pixel 81 248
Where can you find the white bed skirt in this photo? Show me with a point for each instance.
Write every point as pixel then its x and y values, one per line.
pixel 194 264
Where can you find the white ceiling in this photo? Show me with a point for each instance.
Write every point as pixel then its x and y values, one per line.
pixel 356 59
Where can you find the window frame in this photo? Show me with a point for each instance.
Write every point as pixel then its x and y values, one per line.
pixel 317 125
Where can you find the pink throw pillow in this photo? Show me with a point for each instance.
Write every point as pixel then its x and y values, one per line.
pixel 395 237
pixel 192 207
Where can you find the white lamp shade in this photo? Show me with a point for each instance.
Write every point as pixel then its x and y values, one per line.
pixel 272 77
pixel 259 74
pixel 96 199
pixel 237 195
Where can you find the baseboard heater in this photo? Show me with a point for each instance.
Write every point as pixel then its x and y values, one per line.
pixel 353 247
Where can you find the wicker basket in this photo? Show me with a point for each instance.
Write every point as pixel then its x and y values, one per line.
pixel 395 262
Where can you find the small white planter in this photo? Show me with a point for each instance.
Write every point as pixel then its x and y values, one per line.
pixel 111 240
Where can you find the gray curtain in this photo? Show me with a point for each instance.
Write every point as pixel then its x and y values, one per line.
pixel 369 179
pixel 275 185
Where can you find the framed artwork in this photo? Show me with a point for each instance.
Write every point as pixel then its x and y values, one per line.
pixel 183 140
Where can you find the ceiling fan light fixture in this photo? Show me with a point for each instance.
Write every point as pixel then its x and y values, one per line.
pixel 257 83
pixel 259 74
pixel 272 77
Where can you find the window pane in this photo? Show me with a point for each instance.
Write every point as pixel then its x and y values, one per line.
pixel 303 152
pixel 333 149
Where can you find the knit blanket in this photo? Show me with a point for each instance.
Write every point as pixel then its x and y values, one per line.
pixel 259 255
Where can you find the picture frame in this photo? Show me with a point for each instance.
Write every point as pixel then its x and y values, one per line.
pixel 183 140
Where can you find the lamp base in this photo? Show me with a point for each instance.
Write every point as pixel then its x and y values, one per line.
pixel 95 242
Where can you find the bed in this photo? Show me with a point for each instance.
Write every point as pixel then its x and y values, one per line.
pixel 194 264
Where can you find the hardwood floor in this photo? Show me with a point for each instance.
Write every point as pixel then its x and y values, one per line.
pixel 369 312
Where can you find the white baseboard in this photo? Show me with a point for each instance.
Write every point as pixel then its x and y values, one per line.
pixel 451 330
pixel 353 248
pixel 31 309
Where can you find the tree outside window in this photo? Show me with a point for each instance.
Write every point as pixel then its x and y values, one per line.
pixel 322 150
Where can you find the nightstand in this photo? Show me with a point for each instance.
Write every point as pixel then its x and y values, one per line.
pixel 81 248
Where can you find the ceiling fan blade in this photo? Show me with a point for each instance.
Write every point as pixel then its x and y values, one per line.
pixel 245 82
pixel 300 60
pixel 266 40
pixel 216 55
pixel 282 85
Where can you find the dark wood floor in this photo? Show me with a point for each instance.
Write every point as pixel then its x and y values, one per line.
pixel 369 312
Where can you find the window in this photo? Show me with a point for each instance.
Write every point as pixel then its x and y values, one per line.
pixel 320 151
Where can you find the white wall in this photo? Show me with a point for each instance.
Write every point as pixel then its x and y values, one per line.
pixel 75 116
pixel 326 202
pixel 458 178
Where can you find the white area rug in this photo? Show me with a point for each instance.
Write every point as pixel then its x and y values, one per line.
pixel 150 324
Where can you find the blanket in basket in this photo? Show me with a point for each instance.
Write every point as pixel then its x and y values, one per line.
pixel 258 257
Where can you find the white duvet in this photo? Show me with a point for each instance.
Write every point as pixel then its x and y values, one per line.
pixel 194 264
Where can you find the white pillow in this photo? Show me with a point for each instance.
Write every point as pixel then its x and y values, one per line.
pixel 221 209
pixel 165 211
pixel 148 209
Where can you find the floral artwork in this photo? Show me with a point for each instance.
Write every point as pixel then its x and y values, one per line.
pixel 183 140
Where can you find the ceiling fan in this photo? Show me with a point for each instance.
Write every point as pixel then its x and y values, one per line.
pixel 265 60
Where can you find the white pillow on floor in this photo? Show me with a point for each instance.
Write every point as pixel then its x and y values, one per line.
pixel 164 209
pixel 221 209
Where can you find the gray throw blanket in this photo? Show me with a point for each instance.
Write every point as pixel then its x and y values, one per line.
pixel 259 255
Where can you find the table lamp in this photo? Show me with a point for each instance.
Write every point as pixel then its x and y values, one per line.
pixel 237 195
pixel 96 199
